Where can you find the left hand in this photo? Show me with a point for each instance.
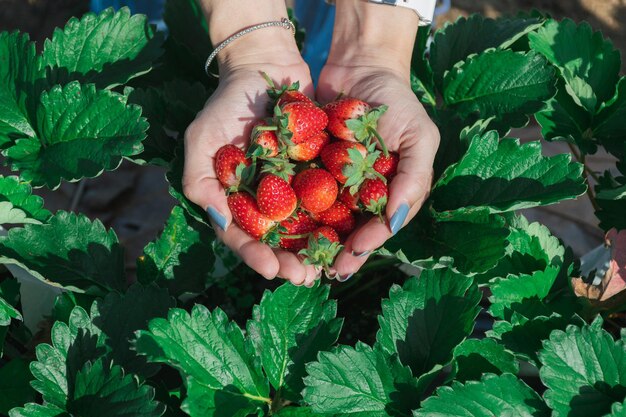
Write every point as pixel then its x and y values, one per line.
pixel 406 129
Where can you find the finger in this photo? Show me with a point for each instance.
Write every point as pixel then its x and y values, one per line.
pixel 370 236
pixel 411 185
pixel 312 275
pixel 291 268
pixel 255 254
pixel 347 262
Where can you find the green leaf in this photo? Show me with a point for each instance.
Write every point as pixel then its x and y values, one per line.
pixel 289 328
pixel 514 289
pixel 104 391
pixel 69 251
pixel 611 200
pixel 184 100
pixel 608 124
pixel 475 357
pixel 497 176
pixel 9 299
pixel 17 203
pixel 584 370
pixel 36 410
pixel 222 375
pixel 20 75
pixel 421 72
pixel 159 146
pixel 81 133
pixel 618 410
pixel 503 395
pixel 107 49
pixel 15 389
pixel 117 317
pixel 360 382
pixel 415 321
pixel 175 178
pixel 468 247
pixel 299 412
pixel 589 64
pixel 484 84
pixel 473 35
pixel 182 258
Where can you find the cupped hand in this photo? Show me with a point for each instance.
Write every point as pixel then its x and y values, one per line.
pixel 237 105
pixel 406 129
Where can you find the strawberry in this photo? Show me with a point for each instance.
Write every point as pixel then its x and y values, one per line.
pixel 316 189
pixel 341 110
pixel 336 156
pixel 373 195
pixel 264 142
pixel 338 216
pixel 292 96
pixel 322 247
pixel 281 167
pixel 276 198
pixel 387 166
pixel 229 164
pixel 285 94
pixel 309 149
pixel 298 225
pixel 351 201
pixel 247 215
pixel 299 121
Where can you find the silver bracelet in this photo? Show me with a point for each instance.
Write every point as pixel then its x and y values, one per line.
pixel 284 23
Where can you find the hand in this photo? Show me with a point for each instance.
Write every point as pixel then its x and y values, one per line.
pixel 406 129
pixel 228 117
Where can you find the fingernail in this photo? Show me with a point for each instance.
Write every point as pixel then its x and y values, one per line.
pixel 217 217
pixel 361 254
pixel 398 218
pixel 344 278
pixel 310 284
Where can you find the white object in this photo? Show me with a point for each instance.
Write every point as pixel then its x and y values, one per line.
pixel 425 9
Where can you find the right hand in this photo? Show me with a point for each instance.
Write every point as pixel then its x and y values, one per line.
pixel 237 105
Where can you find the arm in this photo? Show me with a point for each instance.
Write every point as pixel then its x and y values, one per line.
pixel 370 59
pixel 230 113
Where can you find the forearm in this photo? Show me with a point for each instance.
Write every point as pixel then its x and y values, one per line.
pixel 373 34
pixel 227 17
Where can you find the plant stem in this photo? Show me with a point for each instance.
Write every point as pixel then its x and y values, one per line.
pixel 580 157
pixel 380 140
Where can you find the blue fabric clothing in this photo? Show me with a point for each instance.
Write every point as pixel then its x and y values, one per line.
pixel 318 18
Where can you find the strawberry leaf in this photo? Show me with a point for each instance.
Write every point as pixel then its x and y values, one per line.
pixel 36 410
pixel 608 126
pixel 362 382
pixel 107 49
pixel 15 388
pixel 17 203
pixel 415 321
pixel 492 395
pixel 9 301
pixel 473 35
pixel 81 133
pixel 286 345
pixel 475 357
pixel 497 176
pixel 69 251
pixel 218 364
pixel 182 258
pixel 584 370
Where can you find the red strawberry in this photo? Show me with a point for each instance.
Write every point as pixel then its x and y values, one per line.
pixel 227 160
pixel 308 149
pixel 338 216
pixel 351 201
pixel 247 215
pixel 276 198
pixel 335 158
pixel 341 110
pixel 292 96
pixel 387 165
pixel 300 224
pixel 322 247
pixel 373 195
pixel 316 189
pixel 300 121
pixel 264 142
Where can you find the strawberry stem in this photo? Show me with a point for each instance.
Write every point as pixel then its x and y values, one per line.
pixel 380 140
pixel 295 236
pixel 268 80
pixel 265 128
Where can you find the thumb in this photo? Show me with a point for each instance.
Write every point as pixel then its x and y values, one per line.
pixel 209 194
pixel 412 183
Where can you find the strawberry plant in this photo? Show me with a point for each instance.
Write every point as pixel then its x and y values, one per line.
pixel 493 317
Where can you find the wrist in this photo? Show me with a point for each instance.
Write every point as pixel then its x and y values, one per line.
pixel 266 45
pixel 373 35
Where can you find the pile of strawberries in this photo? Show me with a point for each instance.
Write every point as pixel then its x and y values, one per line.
pixel 308 173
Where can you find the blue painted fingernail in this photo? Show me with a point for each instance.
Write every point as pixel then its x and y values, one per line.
pixel 398 218
pixel 217 217
pixel 361 254
pixel 344 278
